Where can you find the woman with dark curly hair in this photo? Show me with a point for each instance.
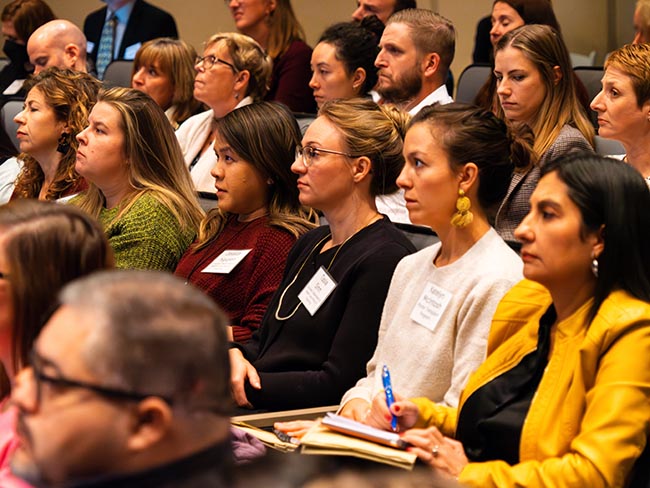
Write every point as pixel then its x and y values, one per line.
pixel 56 109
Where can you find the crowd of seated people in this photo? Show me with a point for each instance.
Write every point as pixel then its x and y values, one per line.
pixel 517 331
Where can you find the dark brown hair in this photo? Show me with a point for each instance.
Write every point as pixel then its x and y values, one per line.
pixel 471 134
pixel 46 245
pixel 27 16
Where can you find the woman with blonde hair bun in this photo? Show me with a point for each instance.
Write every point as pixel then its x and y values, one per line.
pixel 321 325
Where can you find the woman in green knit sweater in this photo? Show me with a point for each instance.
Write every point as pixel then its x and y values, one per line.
pixel 139 186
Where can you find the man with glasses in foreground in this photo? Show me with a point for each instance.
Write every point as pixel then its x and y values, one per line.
pixel 128 386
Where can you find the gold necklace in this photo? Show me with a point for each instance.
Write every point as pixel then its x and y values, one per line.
pixel 284 292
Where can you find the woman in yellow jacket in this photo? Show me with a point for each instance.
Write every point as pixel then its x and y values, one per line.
pixel 563 398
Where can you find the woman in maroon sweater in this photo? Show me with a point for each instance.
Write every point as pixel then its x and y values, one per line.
pixel 273 24
pixel 239 255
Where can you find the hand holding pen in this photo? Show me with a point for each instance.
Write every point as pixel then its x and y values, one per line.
pixel 380 415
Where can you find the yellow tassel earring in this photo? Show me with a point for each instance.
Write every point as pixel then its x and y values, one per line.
pixel 463 217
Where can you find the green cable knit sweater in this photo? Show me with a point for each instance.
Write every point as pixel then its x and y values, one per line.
pixel 148 236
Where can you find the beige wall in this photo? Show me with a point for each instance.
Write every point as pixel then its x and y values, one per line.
pixel 587 24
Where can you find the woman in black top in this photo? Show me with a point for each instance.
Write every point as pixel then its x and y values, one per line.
pixel 321 326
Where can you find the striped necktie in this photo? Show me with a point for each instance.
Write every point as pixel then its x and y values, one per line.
pixel 106 41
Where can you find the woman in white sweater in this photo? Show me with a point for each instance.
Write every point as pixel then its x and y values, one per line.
pixel 437 314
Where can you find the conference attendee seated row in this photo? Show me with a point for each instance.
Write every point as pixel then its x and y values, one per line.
pixel 623 105
pixel 139 187
pixel 437 314
pixel 563 397
pixel 240 253
pixel 234 71
pixel 321 325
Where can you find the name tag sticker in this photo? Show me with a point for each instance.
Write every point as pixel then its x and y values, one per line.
pixel 316 291
pixel 226 261
pixel 429 308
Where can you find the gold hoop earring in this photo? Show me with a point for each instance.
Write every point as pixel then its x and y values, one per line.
pixel 463 216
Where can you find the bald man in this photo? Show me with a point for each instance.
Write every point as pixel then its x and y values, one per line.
pixel 58 43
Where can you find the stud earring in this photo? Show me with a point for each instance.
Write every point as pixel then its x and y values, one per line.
pixel 463 216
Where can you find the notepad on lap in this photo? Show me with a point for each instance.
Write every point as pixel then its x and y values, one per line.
pixel 324 440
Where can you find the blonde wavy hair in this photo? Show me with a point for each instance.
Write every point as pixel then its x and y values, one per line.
pixel 155 161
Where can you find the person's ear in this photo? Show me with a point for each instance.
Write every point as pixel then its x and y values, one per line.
pixel 358 79
pixel 71 54
pixel 468 176
pixel 241 82
pixel 430 64
pixel 361 168
pixel 152 421
pixel 557 75
pixel 598 245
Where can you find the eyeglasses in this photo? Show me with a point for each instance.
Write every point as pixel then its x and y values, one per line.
pixel 209 61
pixel 308 153
pixel 37 363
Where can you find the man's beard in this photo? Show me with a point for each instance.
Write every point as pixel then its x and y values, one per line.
pixel 404 88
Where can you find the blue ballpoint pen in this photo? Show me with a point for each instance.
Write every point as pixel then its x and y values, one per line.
pixel 388 389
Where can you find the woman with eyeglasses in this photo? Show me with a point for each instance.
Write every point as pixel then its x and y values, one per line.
pixel 321 326
pixel 33 235
pixel 234 71
pixel 258 219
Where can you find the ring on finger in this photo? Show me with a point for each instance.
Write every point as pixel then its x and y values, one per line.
pixel 435 450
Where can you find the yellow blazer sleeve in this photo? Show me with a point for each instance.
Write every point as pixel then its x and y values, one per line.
pixel 614 426
pixel 434 414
